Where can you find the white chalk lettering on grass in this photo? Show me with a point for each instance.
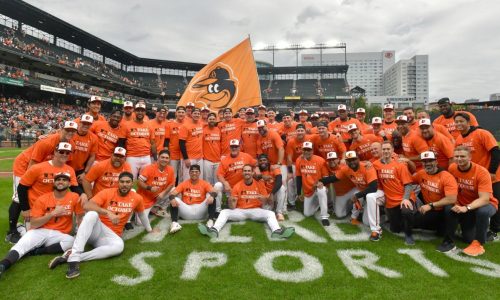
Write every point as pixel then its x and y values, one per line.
pixel 311 267
pixel 138 229
pixel 418 256
pixel 338 235
pixel 156 237
pixel 485 268
pixel 145 270
pixel 198 260
pixel 293 218
pixel 226 237
pixel 357 261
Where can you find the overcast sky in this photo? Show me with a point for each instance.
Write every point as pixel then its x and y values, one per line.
pixel 461 37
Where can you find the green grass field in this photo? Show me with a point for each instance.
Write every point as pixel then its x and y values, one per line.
pixel 170 265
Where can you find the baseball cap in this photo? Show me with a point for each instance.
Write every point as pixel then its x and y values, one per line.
pixel 190 104
pixel 351 127
pixel 303 112
pixel 360 110
pixel 205 108
pixel 261 123
pixel 424 122
pixel 300 125
pixel 140 105
pixel 342 107
pixel 95 98
pixel 314 116
pixel 351 155
pixel 87 119
pixel 307 145
pixel 331 155
pixel 427 155
pixel 402 119
pixel 444 100
pixel 250 111
pixel 120 151
pixel 64 146
pixel 128 104
pixel 389 106
pixel 62 174
pixel 262 107
pixel 234 142
pixel 70 125
pixel 376 120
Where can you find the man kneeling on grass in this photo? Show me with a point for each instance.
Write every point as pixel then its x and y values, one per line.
pixel 246 201
pixel 102 225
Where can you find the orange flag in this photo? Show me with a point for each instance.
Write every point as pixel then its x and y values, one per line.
pixel 230 80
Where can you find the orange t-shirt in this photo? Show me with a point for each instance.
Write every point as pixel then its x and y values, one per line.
pixel 192 133
pixel 289 132
pixel 194 193
pixel 360 178
pixel 363 147
pixel 392 178
pixel 40 179
pixel 364 127
pixel 270 145
pixel 22 161
pixel 139 137
pixel 269 183
pixel 449 123
pixel 250 135
pixel 247 196
pixel 389 127
pixel 173 135
pixel 480 143
pixel 331 143
pixel 48 202
pixel 44 149
pixel 211 144
pixel 443 147
pixel 371 131
pixel 152 176
pixel 231 168
pixel 342 186
pixel 311 171
pixel 441 129
pixel 84 145
pixel 339 126
pixel 108 138
pixel 229 130
pixel 294 147
pixel 471 182
pixel 123 206
pixel 413 144
pixel 158 129
pixel 104 175
pixel 274 126
pixel 437 186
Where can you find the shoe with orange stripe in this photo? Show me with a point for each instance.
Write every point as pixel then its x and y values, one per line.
pixel 355 221
pixel 357 205
pixel 474 249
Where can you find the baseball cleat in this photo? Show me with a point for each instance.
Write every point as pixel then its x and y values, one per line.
pixel 175 227
pixel 375 236
pixel 446 246
pixel 474 249
pixel 355 221
pixel 283 233
pixel 73 270
pixel 325 222
pixel 13 237
pixel 129 226
pixel 409 240
pixel 59 260
pixel 208 231
pixel 210 223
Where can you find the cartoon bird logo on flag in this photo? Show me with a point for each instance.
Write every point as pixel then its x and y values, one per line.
pixel 218 89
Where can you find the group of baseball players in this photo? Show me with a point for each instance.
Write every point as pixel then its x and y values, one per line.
pixel 245 165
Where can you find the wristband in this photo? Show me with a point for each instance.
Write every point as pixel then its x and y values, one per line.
pixel 149 188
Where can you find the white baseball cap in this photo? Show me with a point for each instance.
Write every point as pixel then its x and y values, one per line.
pixel 331 155
pixel 360 110
pixel 376 120
pixel 424 122
pixel 351 126
pixel 342 107
pixel 402 119
pixel 427 155
pixel 95 98
pixel 120 151
pixel 205 108
pixel 140 105
pixel 128 104
pixel 62 174
pixel 87 119
pixel 70 125
pixel 261 123
pixel 262 106
pixel 190 104
pixel 389 106
pixel 314 116
pixel 234 142
pixel 250 111
pixel 303 112
pixel 351 155
pixel 307 145
pixel 64 146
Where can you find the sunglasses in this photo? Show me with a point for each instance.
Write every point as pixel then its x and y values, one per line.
pixel 63 152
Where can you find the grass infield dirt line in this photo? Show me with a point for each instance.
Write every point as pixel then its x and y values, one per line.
pixel 5 174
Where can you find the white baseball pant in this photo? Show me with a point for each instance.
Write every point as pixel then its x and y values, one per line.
pixel 254 214
pixel 219 189
pixel 177 169
pixel 291 188
pixel 138 215
pixel 105 241
pixel 138 163
pixel 342 203
pixel 279 197
pixel 185 170
pixel 193 211
pixel 42 237
pixel 210 171
pixel 15 184
pixel 317 200
pixel 371 215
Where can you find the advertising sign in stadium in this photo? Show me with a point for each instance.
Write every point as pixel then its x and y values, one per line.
pixel 77 93
pixel 7 80
pixel 106 99
pixel 118 101
pixel 292 97
pixel 52 89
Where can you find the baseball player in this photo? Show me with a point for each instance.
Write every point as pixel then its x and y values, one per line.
pixel 361 143
pixel 85 148
pixel 94 108
pixel 249 133
pixel 128 112
pixel 102 225
pixel 340 124
pixel 51 223
pixel 110 134
pixel 191 142
pixel 436 142
pixel 447 117
pixel 211 149
pixel 158 127
pixel 388 124
pixel 172 140
pixel 342 191
pixel 246 201
pixel 274 185
pixel 230 129
pixel 293 151
pixel 198 198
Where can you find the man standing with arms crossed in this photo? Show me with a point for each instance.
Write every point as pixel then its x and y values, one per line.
pixel 172 140
pixel 191 143
pixel 211 149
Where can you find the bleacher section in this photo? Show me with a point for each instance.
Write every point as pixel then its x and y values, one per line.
pixel 307 88
pixel 281 88
pixel 334 87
